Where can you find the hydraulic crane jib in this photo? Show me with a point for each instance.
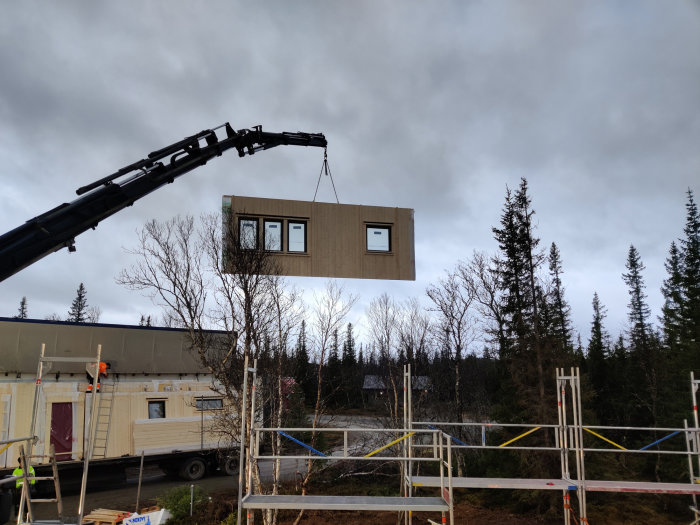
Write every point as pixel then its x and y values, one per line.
pixel 57 228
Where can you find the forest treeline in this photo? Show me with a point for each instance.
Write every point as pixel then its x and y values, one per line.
pixel 515 300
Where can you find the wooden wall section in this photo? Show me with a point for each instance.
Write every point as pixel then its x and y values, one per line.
pixel 336 237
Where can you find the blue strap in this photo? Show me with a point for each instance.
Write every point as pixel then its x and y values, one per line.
pixel 312 449
pixel 660 440
pixel 431 427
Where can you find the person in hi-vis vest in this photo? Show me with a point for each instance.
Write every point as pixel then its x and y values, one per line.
pixel 20 482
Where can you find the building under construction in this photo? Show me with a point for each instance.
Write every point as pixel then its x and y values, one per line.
pixel 157 399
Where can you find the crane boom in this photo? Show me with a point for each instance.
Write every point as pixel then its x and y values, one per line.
pixel 57 228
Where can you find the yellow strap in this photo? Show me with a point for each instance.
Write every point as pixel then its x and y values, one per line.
pixel 3 449
pixel 605 439
pixel 389 444
pixel 520 436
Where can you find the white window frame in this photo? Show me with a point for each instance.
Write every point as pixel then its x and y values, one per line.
pixel 376 229
pixel 280 235
pixel 292 238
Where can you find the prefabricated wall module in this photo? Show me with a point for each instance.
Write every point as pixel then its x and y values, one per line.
pixel 320 239
pixel 163 401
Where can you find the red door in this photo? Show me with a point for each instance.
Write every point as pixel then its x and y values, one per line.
pixel 62 429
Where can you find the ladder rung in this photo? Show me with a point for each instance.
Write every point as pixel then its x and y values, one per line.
pixel 51 500
pixel 42 478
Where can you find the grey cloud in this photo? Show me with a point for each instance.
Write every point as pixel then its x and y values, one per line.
pixel 436 109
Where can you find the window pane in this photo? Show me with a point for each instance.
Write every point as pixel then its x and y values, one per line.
pixel 297 236
pixel 210 404
pixel 156 409
pixel 248 232
pixel 273 236
pixel 378 238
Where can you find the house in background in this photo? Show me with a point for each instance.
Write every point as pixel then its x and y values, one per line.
pixel 376 388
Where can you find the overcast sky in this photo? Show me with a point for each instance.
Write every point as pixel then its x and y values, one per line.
pixel 436 106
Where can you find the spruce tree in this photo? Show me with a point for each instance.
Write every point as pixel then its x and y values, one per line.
pixel 333 375
pixel 638 310
pixel 598 352
pixel 690 307
pixel 672 290
pixel 303 371
pixel 512 276
pixel 648 367
pixel 681 311
pixel 352 385
pixel 526 383
pixel 22 312
pixel 517 268
pixel 561 311
pixel 78 309
pixel 349 349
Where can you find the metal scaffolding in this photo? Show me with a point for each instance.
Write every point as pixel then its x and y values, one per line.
pixel 568 443
pixel 424 442
pixel 440 454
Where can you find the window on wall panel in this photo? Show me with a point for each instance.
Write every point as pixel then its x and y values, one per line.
pixel 378 238
pixel 209 403
pixel 156 409
pixel 296 236
pixel 248 233
pixel 273 235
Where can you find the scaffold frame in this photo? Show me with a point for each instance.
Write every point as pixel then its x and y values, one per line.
pixel 569 441
pixel 252 434
pixel 440 446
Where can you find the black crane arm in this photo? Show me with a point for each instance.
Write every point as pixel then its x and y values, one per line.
pixel 57 228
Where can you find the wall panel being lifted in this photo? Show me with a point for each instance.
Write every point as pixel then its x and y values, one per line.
pixel 320 239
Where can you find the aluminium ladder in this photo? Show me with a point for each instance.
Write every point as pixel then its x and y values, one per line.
pixel 26 497
pixel 103 420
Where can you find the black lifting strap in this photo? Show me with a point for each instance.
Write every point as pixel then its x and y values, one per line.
pixel 327 170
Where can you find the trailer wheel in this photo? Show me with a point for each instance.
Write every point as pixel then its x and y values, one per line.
pixel 230 466
pixel 193 469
